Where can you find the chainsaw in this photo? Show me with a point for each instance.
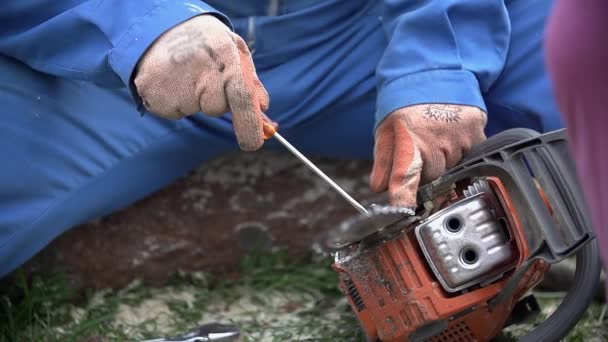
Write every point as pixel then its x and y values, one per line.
pixel 461 266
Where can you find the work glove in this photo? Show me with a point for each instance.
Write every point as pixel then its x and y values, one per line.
pixel 416 144
pixel 200 65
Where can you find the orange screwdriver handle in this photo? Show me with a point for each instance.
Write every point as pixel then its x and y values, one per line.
pixel 270 128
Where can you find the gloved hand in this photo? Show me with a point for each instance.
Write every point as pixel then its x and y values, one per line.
pixel 202 66
pixel 416 144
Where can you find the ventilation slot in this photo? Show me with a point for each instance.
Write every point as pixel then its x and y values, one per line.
pixel 458 333
pixel 354 294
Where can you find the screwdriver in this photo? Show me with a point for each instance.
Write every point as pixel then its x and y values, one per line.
pixel 270 130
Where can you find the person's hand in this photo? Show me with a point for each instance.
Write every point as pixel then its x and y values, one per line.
pixel 201 66
pixel 416 144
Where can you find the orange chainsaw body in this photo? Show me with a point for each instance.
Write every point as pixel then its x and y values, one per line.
pixel 394 292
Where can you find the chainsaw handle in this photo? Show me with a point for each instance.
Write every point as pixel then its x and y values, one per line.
pixel 588 264
pixel 498 141
pixel 576 302
pixel 555 230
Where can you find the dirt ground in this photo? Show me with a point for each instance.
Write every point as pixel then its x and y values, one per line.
pixel 274 300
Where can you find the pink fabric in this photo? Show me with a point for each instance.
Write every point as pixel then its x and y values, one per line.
pixel 577 55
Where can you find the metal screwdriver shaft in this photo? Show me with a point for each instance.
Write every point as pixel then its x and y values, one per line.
pixel 336 187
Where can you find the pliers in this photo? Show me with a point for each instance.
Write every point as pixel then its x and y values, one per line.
pixel 212 332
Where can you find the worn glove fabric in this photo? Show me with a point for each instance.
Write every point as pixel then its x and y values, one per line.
pixel 202 66
pixel 417 144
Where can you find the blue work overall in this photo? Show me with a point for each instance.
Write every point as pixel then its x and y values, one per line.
pixel 74 145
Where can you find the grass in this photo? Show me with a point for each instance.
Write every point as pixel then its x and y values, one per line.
pixel 274 300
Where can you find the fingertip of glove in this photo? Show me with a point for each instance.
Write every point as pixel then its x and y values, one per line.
pixel 264 101
pixel 251 145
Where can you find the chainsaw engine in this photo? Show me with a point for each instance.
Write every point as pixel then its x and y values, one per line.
pixel 460 268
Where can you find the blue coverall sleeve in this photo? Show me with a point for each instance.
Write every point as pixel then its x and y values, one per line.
pixel 99 41
pixel 440 51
